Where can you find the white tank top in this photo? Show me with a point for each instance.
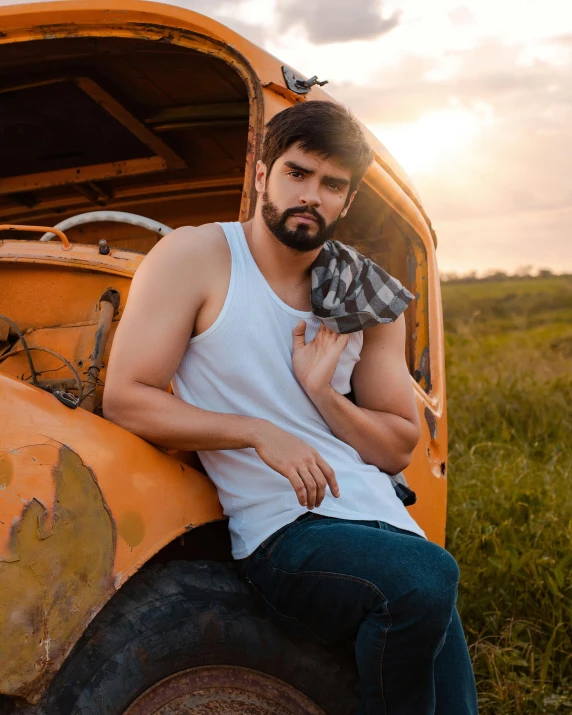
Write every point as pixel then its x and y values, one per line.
pixel 243 365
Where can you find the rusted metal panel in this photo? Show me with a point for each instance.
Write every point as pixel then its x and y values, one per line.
pixel 64 473
pixel 127 195
pixel 175 25
pixel 108 305
pixel 83 504
pixel 56 563
pixel 82 174
pixel 223 689
pixel 117 262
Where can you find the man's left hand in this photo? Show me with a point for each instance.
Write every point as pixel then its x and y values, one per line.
pixel 315 362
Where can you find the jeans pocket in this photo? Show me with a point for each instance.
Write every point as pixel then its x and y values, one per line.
pixel 268 544
pixel 271 542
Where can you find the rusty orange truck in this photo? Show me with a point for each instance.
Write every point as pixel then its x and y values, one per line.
pixel 118 122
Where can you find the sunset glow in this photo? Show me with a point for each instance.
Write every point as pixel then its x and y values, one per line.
pixel 433 141
pixel 472 98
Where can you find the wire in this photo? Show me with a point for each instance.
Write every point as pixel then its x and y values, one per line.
pixel 50 352
pixel 26 348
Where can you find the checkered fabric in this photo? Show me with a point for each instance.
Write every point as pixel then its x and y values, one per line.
pixel 351 293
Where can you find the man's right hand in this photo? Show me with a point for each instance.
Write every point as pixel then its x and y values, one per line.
pixel 302 465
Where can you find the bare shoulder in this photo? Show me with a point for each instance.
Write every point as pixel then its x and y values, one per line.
pixel 167 294
pixel 188 258
pixel 201 243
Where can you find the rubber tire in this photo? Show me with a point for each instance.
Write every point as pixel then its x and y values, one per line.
pixel 171 617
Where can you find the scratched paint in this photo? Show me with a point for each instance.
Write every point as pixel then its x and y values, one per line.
pixel 6 470
pixel 62 564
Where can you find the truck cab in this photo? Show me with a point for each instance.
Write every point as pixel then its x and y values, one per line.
pixel 118 592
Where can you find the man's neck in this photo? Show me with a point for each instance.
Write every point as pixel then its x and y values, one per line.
pixel 276 261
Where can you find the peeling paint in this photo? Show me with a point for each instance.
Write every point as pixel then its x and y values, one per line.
pixel 62 565
pixel 431 422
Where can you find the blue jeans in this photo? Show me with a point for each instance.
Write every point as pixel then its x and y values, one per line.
pixel 326 579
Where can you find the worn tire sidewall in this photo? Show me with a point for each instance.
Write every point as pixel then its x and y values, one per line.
pixel 185 615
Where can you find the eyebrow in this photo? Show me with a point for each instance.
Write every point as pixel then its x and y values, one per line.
pixel 304 170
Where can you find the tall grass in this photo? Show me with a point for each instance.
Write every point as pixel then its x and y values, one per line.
pixel 509 380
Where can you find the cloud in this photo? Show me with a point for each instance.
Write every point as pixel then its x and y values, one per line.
pixel 254 33
pixel 506 198
pixel 562 40
pixel 490 72
pixel 461 16
pixel 503 195
pixel 329 21
pixel 228 12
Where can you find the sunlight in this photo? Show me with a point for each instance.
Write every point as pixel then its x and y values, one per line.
pixel 432 140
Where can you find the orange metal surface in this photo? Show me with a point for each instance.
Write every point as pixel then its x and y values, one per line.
pixel 38 229
pixel 167 23
pixel 83 503
pixel 76 176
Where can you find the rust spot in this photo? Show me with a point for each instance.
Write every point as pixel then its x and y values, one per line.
pixel 423 373
pixel 431 423
pixel 49 589
pixel 6 470
pixel 223 689
pixel 131 528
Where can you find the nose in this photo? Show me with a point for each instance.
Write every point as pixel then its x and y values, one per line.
pixel 311 194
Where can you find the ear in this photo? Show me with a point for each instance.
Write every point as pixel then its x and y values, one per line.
pixel 347 206
pixel 260 178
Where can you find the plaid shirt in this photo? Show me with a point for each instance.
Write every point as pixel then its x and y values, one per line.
pixel 351 293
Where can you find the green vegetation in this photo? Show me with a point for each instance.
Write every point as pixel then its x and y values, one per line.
pixel 509 381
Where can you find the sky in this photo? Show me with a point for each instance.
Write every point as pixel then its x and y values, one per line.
pixel 472 98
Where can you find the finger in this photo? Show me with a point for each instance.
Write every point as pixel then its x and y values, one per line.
pixel 299 487
pixel 298 335
pixel 321 483
pixel 310 485
pixel 330 476
pixel 324 331
pixel 330 337
pixel 340 343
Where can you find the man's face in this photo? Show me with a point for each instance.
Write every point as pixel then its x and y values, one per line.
pixel 303 198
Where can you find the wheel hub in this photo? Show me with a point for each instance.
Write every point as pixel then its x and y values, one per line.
pixel 222 690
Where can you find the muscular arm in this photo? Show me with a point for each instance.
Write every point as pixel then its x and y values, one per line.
pixel 383 427
pixel 166 294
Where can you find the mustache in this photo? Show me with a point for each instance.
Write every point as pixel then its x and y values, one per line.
pixel 297 210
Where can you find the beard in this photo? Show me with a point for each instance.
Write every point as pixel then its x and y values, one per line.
pixel 299 239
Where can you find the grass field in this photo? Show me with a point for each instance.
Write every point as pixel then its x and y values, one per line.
pixel 509 381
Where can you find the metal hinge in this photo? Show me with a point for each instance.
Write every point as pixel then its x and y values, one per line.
pixel 299 84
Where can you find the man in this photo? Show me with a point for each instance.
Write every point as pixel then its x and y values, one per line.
pixel 302 472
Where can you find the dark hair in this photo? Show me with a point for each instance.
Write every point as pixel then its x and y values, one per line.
pixel 323 127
